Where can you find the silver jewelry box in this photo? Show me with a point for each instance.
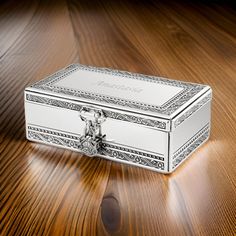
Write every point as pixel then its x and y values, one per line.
pixel 147 121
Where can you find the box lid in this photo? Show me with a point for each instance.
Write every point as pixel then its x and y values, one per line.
pixel 150 95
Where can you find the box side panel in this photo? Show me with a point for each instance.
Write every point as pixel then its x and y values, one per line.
pixel 126 142
pixel 191 132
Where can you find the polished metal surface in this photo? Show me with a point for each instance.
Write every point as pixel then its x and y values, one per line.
pixel 94 111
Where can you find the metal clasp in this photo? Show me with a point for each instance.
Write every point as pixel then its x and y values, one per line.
pixel 92 139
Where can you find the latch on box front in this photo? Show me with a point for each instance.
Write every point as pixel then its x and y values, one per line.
pixel 92 138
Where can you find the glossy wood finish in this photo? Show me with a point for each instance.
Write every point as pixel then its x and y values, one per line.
pixel 50 191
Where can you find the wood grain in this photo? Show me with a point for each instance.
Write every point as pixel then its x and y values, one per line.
pixel 49 191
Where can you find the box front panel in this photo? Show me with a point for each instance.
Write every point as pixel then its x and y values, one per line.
pixel 127 142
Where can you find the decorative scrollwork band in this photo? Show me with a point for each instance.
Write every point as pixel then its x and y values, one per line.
pixel 111 114
pixel 188 113
pixel 113 151
pixel 190 145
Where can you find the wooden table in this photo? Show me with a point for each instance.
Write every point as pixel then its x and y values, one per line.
pixel 50 191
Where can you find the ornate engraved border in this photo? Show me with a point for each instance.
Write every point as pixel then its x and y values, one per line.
pixel 190 145
pixel 112 151
pixel 188 113
pixel 127 157
pixel 111 114
pixel 148 155
pixel 168 108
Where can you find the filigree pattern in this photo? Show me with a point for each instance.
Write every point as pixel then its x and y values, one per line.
pixel 127 157
pixel 52 132
pixel 189 89
pixel 53 102
pixel 47 138
pixel 188 113
pixel 113 151
pixel 190 146
pixel 148 155
pixel 111 114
